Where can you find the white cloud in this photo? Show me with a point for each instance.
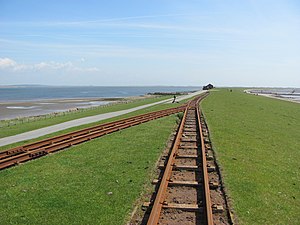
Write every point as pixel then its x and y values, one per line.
pixel 7 63
pixel 11 65
pixel 53 66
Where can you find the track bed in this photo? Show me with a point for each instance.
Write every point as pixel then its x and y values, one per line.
pixel 189 189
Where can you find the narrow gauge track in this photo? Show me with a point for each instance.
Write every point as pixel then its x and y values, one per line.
pixel 184 192
pixel 23 153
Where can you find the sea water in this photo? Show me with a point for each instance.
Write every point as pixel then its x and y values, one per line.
pixel 16 102
pixel 51 92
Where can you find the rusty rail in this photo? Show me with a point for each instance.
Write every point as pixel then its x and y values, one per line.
pixel 52 140
pixel 23 153
pixel 208 205
pixel 160 198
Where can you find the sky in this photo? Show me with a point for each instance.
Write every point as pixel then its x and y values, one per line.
pixel 254 43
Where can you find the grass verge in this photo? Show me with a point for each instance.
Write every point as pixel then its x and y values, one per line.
pixel 93 183
pixel 257 144
pixel 28 126
pixel 138 112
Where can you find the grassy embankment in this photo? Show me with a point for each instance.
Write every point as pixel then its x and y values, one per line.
pixel 96 182
pixel 138 112
pixel 73 186
pixel 257 141
pixel 48 121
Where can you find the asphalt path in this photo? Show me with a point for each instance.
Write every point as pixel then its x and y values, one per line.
pixel 73 123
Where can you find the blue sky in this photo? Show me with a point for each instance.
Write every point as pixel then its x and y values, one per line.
pixel 165 42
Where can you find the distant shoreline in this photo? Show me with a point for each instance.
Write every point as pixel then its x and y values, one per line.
pixel 274 95
pixel 36 93
pixel 10 110
pixel 62 99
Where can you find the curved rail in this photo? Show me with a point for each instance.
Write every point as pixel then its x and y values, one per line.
pixel 37 149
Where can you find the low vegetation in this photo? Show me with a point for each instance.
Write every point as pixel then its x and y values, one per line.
pixel 257 144
pixel 17 128
pixel 138 112
pixel 93 183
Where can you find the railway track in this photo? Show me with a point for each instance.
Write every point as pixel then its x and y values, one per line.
pixel 190 188
pixel 17 155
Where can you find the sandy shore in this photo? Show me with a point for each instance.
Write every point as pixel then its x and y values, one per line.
pixel 12 110
pixel 85 120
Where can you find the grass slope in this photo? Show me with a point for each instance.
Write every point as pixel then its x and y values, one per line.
pixel 138 112
pixel 257 140
pixel 28 126
pixel 72 186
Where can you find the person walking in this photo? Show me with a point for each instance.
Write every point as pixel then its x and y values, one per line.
pixel 174 99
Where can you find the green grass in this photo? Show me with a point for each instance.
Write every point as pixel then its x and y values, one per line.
pixel 32 125
pixel 72 186
pixel 257 141
pixel 138 112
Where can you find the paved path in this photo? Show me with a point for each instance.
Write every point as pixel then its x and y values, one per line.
pixel 183 97
pixel 73 123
